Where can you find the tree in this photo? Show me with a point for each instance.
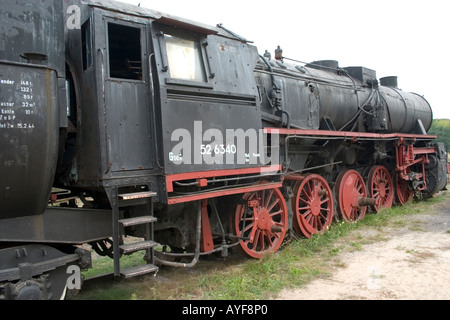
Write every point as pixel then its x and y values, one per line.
pixel 441 128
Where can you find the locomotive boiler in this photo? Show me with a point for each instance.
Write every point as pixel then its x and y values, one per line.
pixel 128 129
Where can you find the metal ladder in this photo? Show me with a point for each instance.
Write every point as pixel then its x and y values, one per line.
pixel 125 200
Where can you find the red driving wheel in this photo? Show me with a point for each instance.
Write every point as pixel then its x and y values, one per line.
pixel 350 189
pixel 312 205
pixel 404 193
pixel 261 221
pixel 380 187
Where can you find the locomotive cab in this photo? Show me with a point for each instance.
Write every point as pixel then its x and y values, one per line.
pixel 112 89
pixel 167 111
pixel 159 95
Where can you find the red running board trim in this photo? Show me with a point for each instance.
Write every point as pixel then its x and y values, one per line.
pixel 227 192
pixel 200 176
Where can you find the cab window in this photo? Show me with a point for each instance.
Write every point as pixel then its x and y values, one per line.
pixel 125 52
pixel 185 58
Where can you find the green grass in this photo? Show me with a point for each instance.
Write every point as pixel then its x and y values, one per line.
pixel 104 265
pixel 299 261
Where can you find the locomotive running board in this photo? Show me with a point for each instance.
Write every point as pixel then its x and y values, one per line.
pixel 227 192
pixel 347 134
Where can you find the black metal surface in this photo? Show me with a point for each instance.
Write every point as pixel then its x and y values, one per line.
pixel 58 225
pixel 127 121
pixel 405 109
pixel 22 21
pixel 31 74
pixel 322 90
pixel 115 108
pixel 37 272
pixel 29 121
pixel 225 100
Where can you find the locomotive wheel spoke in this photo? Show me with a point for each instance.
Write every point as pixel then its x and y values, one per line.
pixel 262 221
pixel 248 227
pixel 404 193
pixel 350 188
pixel 312 205
pixel 380 187
pixel 266 204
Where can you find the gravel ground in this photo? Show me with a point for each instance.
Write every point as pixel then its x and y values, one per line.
pixel 414 264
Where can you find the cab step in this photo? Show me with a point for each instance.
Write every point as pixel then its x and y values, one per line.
pixel 137 220
pixel 138 270
pixel 137 195
pixel 130 200
pixel 135 198
pixel 137 246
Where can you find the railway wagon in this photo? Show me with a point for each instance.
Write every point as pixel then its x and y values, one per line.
pixel 129 129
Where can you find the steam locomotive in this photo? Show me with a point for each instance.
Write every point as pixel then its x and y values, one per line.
pixel 129 129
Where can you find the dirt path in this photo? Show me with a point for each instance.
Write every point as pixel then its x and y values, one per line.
pixel 413 265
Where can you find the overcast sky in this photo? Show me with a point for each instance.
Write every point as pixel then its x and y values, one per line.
pixel 408 39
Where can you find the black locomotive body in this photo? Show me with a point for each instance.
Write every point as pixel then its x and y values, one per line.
pixel 121 121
